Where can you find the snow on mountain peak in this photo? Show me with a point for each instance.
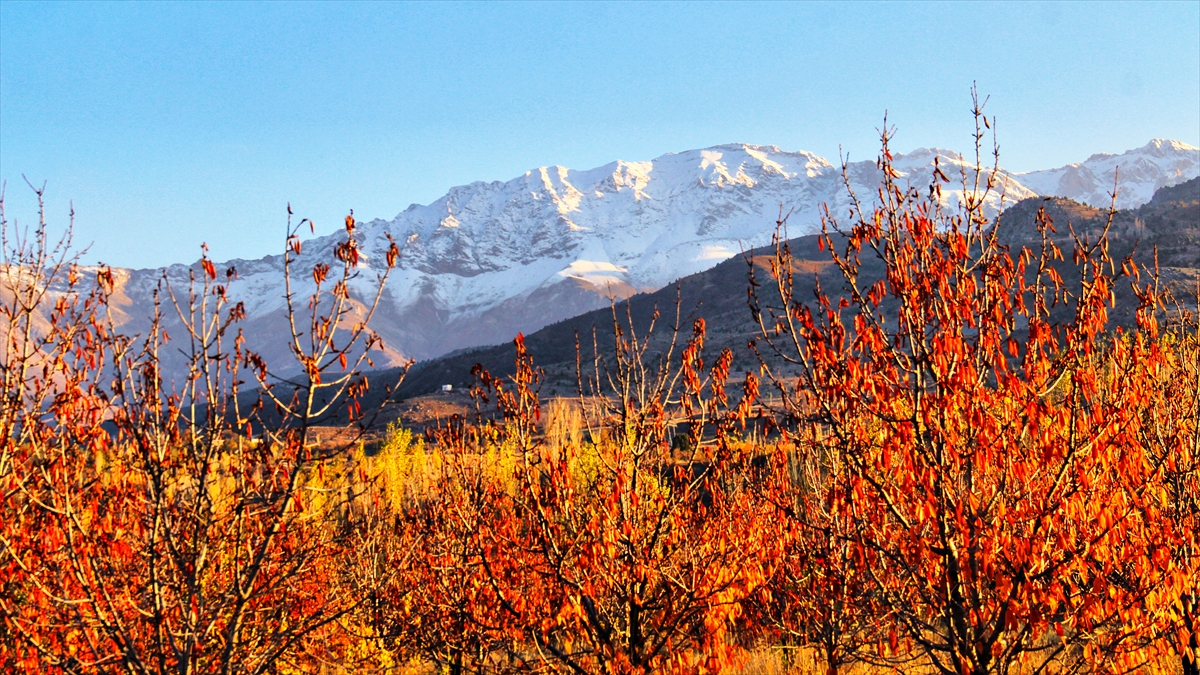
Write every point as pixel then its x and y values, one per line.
pixel 1167 145
pixel 489 259
pixel 1141 171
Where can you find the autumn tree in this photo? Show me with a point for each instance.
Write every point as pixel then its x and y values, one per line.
pixel 149 529
pixel 437 602
pixel 1168 430
pixel 987 454
pixel 818 596
pixel 608 554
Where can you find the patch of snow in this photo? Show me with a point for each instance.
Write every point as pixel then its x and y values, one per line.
pixel 717 253
pixel 598 273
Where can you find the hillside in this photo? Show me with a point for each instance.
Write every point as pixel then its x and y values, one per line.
pixel 1170 221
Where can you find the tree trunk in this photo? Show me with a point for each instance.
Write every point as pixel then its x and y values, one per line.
pixel 831 659
pixel 1190 665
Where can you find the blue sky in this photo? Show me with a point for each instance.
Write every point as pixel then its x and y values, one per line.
pixel 173 124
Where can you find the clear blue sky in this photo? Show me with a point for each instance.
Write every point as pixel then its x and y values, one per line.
pixel 172 124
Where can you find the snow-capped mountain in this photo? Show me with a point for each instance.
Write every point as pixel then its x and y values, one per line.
pixel 490 259
pixel 1160 163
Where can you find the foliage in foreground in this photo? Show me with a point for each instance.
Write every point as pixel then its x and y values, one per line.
pixel 949 474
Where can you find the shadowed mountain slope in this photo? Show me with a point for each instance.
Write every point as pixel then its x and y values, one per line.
pixel 1170 222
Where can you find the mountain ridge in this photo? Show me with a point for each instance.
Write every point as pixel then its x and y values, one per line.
pixel 490 259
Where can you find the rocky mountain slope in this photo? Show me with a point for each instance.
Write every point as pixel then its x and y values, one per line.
pixel 490 259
